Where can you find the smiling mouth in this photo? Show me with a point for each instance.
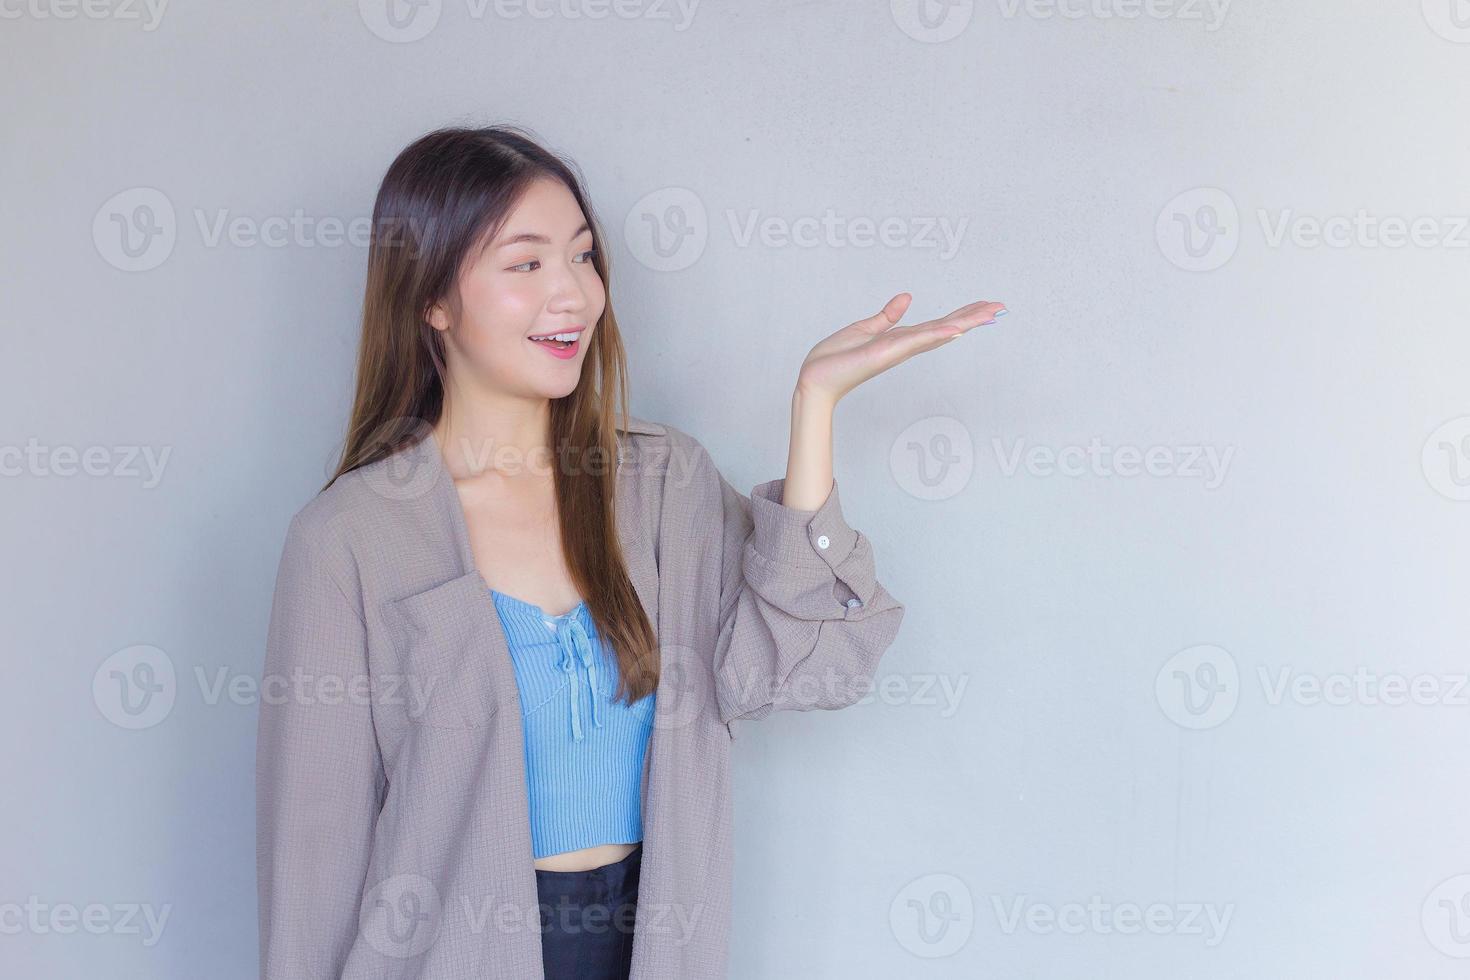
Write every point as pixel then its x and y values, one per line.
pixel 568 335
pixel 559 340
pixel 561 349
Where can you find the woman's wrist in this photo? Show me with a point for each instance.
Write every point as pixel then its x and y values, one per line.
pixel 809 460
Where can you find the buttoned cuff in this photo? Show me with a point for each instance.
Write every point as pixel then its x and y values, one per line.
pixel 787 534
pixel 811 541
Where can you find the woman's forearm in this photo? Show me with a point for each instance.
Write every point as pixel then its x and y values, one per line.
pixel 809 459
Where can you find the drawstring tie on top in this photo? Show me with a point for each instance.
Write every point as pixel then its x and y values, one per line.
pixel 576 646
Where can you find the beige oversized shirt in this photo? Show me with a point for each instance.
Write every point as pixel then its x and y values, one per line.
pixel 393 824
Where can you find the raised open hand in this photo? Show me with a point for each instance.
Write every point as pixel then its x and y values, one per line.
pixel 869 347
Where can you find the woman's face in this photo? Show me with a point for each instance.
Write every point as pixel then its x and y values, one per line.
pixel 534 278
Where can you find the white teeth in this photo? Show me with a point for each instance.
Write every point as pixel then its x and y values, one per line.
pixel 557 336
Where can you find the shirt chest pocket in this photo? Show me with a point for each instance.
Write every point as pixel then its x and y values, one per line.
pixel 455 674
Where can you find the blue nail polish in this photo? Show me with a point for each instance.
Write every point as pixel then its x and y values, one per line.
pixel 1002 312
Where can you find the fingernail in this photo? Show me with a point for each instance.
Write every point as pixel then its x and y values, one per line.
pixel 1000 313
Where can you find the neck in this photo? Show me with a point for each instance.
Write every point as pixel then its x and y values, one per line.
pixel 510 436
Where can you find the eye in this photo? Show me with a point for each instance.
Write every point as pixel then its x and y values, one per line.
pixel 524 265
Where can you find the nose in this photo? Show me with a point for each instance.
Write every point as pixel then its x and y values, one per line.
pixel 573 292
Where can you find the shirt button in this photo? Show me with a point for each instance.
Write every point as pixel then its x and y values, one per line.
pixel 823 541
pixel 854 602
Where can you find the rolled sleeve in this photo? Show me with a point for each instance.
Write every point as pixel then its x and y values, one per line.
pixel 803 620
pixel 789 546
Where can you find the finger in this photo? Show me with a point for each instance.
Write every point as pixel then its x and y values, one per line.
pixel 935 333
pixel 900 345
pixel 892 312
pixel 973 315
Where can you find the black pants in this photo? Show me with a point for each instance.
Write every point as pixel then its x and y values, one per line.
pixel 587 920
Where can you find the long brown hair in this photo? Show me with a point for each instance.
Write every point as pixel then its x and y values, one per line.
pixel 444 193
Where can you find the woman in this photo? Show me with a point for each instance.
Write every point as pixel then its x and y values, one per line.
pixel 510 635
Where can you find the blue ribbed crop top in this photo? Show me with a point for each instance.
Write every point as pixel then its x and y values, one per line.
pixel 584 752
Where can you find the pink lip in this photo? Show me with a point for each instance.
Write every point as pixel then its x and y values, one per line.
pixel 567 354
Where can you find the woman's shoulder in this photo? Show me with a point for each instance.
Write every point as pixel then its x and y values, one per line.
pixel 667 452
pixel 403 487
pixel 372 501
pixel 400 494
pixel 664 436
pixel 643 427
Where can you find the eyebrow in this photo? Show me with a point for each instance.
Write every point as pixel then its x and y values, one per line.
pixel 535 239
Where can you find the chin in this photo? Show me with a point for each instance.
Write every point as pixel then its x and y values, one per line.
pixel 562 390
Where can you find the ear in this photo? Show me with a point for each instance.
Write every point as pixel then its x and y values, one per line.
pixel 437 317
